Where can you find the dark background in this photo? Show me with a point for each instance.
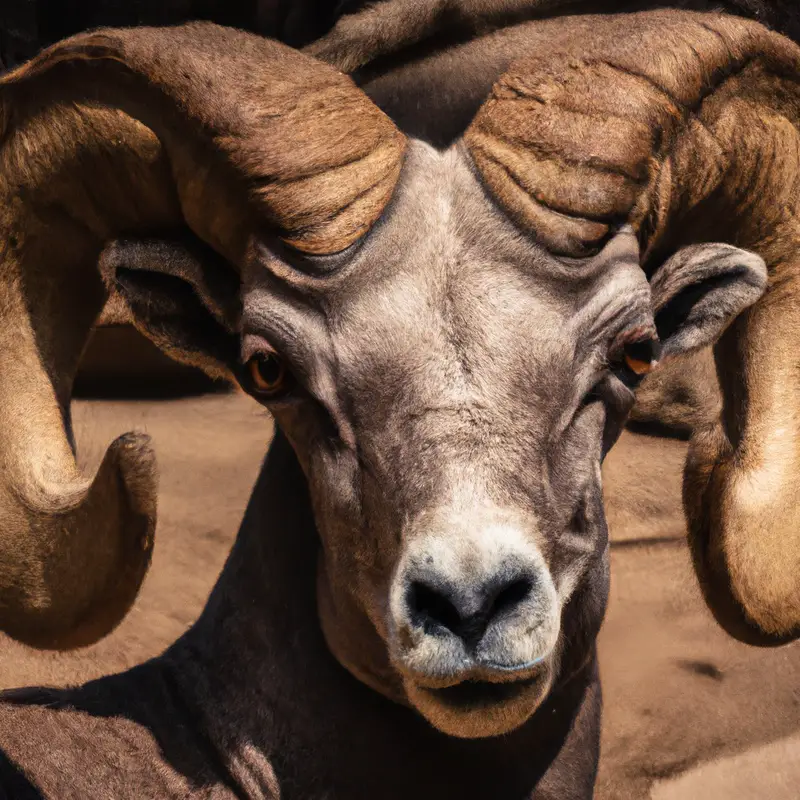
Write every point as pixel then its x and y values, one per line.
pixel 28 25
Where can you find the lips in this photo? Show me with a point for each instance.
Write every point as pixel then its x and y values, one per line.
pixel 480 702
pixel 474 670
pixel 473 695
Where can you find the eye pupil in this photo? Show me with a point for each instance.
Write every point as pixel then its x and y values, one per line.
pixel 641 357
pixel 270 369
pixel 268 373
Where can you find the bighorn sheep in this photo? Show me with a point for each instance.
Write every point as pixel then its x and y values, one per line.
pixel 447 340
pixel 675 400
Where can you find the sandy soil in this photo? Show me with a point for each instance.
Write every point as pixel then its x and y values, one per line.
pixel 688 711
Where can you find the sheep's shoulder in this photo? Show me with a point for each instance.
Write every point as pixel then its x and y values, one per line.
pixel 103 740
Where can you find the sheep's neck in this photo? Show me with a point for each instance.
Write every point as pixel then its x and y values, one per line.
pixel 258 673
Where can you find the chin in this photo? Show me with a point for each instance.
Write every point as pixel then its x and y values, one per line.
pixel 479 709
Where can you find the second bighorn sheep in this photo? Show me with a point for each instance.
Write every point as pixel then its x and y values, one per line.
pixel 448 342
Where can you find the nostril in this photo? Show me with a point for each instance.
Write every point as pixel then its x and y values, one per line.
pixel 435 611
pixel 430 608
pixel 510 596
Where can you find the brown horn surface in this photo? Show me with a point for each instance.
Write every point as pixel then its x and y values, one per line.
pixel 139 131
pixel 684 125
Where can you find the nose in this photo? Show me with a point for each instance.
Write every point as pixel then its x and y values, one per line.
pixel 438 607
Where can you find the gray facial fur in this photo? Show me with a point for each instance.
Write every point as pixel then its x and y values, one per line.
pixel 443 366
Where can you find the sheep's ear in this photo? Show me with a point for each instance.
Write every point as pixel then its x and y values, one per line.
pixel 182 295
pixel 700 290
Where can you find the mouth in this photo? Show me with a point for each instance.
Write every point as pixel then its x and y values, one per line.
pixel 482 702
pixel 474 695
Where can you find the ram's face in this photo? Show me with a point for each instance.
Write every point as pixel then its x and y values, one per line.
pixel 453 390
pixel 449 383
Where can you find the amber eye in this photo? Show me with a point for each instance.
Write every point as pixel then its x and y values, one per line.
pixel 641 357
pixel 268 373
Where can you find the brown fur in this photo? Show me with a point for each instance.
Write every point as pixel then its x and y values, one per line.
pixel 77 167
pixel 251 703
pixel 680 396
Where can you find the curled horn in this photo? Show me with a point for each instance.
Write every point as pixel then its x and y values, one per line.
pixel 685 126
pixel 137 131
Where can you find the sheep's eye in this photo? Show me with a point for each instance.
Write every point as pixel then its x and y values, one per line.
pixel 268 374
pixel 641 357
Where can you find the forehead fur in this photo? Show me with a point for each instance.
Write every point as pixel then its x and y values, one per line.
pixel 446 261
pixel 447 289
pixel 450 330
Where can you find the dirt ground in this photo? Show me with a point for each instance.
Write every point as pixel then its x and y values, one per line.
pixel 689 713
